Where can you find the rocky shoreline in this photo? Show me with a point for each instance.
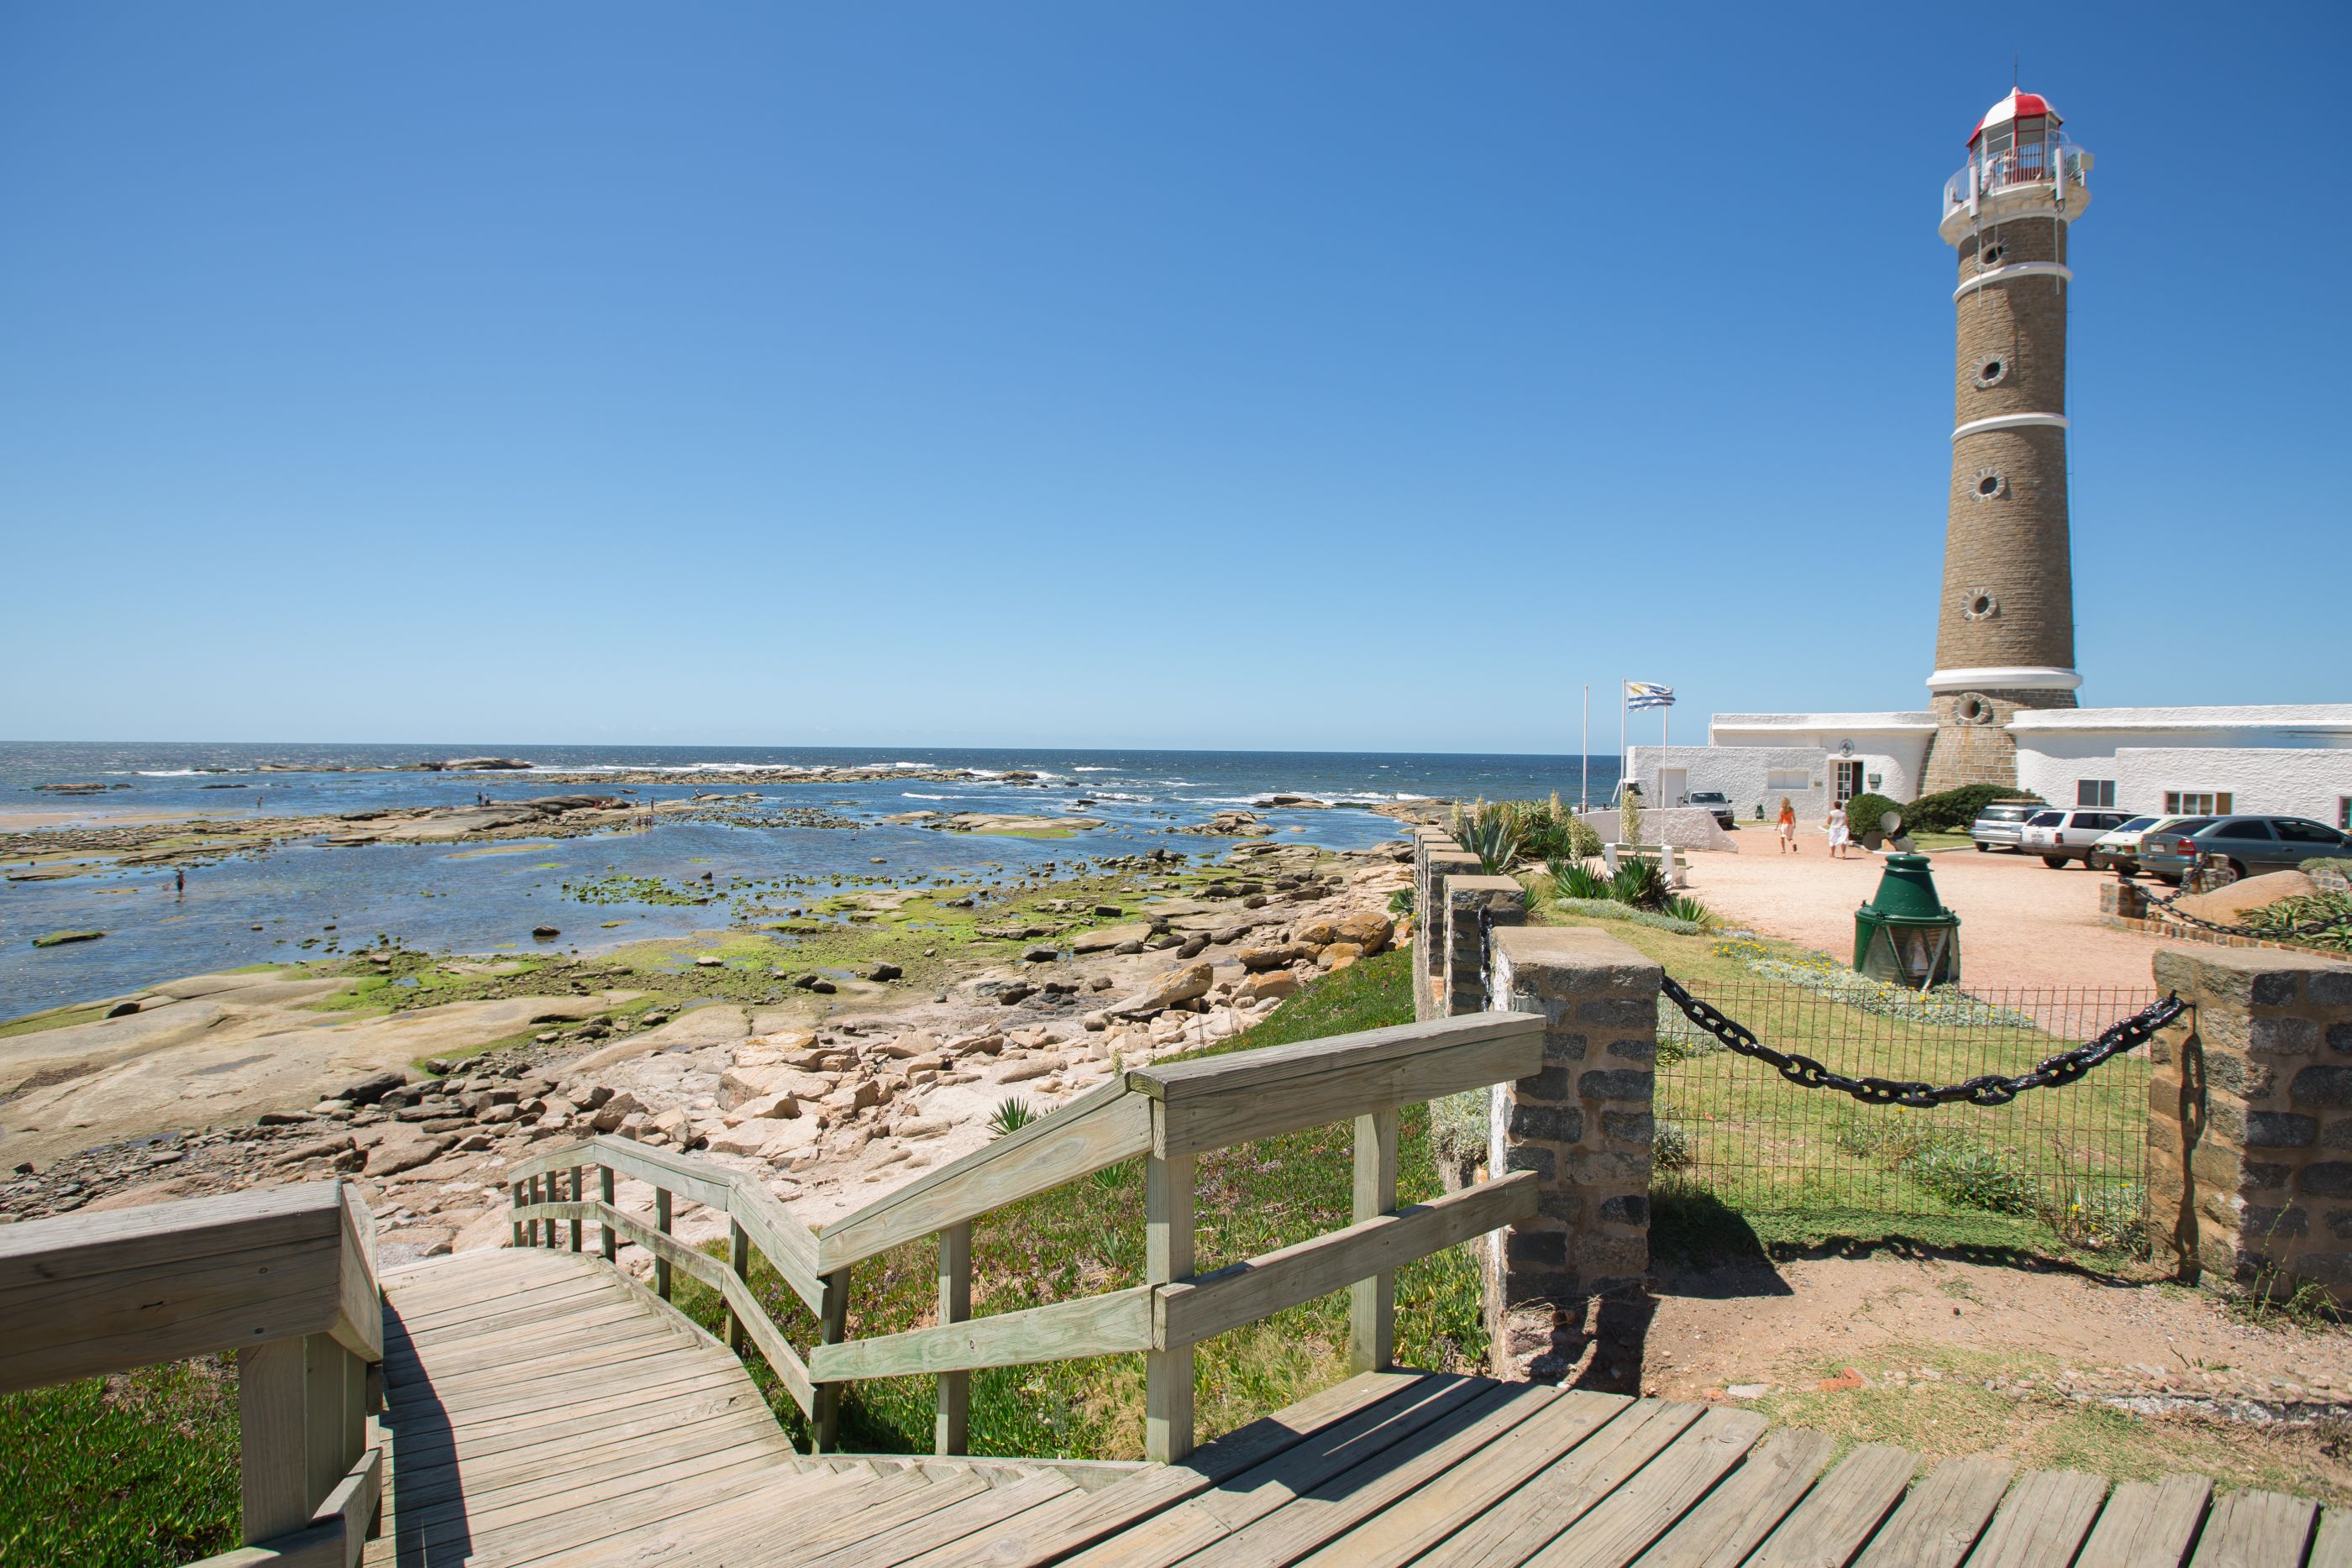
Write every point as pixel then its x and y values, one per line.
pixel 830 1097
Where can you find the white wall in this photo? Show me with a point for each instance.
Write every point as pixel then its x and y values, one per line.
pixel 1750 775
pixel 1893 745
pixel 2297 782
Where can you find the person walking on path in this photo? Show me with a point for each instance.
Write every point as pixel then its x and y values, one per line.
pixel 1788 827
pixel 1840 837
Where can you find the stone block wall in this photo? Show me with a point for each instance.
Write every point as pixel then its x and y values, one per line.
pixel 1475 907
pixel 1586 1124
pixel 1436 858
pixel 2250 1123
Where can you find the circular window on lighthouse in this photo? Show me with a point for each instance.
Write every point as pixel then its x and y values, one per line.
pixel 1982 605
pixel 1990 257
pixel 1974 709
pixel 1989 373
pixel 1989 485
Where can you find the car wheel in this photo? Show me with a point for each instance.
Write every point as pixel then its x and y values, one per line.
pixel 1982 846
pixel 2093 862
pixel 2238 869
pixel 2055 863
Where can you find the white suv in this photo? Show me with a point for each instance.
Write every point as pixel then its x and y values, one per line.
pixel 2059 836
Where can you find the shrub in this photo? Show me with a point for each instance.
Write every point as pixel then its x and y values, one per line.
pixel 1951 810
pixel 1609 909
pixel 1629 814
pixel 1671 1150
pixel 1577 879
pixel 1864 812
pixel 1640 882
pixel 1011 1116
pixel 2276 920
pixel 1490 832
pixel 1684 907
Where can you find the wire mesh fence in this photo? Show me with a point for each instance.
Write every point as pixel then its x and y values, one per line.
pixel 2072 1159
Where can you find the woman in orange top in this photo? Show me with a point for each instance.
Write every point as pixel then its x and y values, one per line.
pixel 1788 827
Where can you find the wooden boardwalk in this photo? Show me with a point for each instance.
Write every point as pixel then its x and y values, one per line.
pixel 542 1409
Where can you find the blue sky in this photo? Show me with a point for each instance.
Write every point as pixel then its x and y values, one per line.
pixel 1266 376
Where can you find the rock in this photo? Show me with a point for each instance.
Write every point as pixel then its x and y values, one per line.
pixel 1319 933
pixel 373 1087
pixel 1015 994
pixel 1339 955
pixel 500 1115
pixel 742 1087
pixel 544 933
pixel 1108 912
pixel 315 1149
pixel 2227 905
pixel 1256 959
pixel 1110 939
pixel 1036 1067
pixel 765 1139
pixel 884 972
pixel 61 938
pixel 404 1147
pixel 1272 983
pixel 1041 954
pixel 924 1127
pixel 1368 929
pixel 1176 985
pixel 709 961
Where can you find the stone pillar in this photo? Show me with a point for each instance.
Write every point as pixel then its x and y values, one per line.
pixel 1436 858
pixel 1474 906
pixel 1574 1278
pixel 2250 1119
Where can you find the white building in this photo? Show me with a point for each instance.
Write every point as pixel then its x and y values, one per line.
pixel 2287 759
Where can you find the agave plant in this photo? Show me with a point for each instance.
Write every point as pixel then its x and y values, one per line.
pixel 1575 878
pixel 1011 1116
pixel 1490 832
pixel 1684 907
pixel 1639 883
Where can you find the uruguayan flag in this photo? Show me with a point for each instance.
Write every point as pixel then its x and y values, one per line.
pixel 1648 693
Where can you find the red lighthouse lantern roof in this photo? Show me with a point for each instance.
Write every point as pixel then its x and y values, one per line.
pixel 2017 105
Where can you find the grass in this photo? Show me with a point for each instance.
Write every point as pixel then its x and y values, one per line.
pixel 1087 1238
pixel 127 1471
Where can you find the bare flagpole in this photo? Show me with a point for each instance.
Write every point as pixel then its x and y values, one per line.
pixel 1621 743
pixel 1584 757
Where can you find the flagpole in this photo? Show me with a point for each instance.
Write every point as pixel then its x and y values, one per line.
pixel 1584 757
pixel 1621 745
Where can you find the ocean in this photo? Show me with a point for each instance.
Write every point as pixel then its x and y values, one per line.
pixel 486 897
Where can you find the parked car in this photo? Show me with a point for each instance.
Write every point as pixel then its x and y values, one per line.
pixel 1999 825
pixel 1717 801
pixel 2060 836
pixel 2116 849
pixel 2252 845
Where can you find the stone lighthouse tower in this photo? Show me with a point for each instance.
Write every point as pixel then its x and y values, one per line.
pixel 2005 625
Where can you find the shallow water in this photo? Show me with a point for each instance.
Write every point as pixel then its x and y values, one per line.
pixel 486 897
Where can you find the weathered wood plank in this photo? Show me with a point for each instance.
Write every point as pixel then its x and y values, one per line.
pixel 273 1463
pixel 697 1180
pixel 1940 1520
pixel 2042 1522
pixel 1838 1515
pixel 1074 1523
pixel 1737 1516
pixel 1208 1518
pixel 1168 1236
pixel 69 1245
pixel 952 1421
pixel 2147 1523
pixel 673 1538
pixel 1614 1531
pixel 1430 1515
pixel 1097 1129
pixel 1210 1305
pixel 2333 1549
pixel 1527 1519
pixel 788 1246
pixel 1096 1325
pixel 1372 1303
pixel 940 1527
pixel 782 1359
pixel 1282 1066
pixel 1202 1120
pixel 2256 1529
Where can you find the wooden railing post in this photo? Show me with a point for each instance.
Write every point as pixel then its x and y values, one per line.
pixel 952 1431
pixel 550 1190
pixel 272 1418
pixel 604 1196
pixel 1168 1256
pixel 661 1223
pixel 1372 1303
pixel 579 1193
pixel 738 1263
pixel 833 1326
pixel 519 1194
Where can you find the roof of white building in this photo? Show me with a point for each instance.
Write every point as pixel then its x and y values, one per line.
pixel 1812 721
pixel 2256 716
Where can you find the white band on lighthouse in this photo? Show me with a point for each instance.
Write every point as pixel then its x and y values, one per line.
pixel 2057 270
pixel 2006 678
pixel 2010 421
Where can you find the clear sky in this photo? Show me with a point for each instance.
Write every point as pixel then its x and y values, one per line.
pixel 1349 375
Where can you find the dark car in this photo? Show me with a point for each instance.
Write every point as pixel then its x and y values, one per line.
pixel 1717 801
pixel 2251 845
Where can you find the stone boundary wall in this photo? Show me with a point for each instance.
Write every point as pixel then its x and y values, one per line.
pixel 2124 906
pixel 2249 1120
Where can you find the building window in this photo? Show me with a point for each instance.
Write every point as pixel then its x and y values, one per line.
pixel 2198 803
pixel 2343 812
pixel 1990 372
pixel 2098 793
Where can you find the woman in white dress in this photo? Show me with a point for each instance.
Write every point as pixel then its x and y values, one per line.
pixel 1840 837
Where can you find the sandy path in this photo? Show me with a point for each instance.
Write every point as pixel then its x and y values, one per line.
pixel 2022 924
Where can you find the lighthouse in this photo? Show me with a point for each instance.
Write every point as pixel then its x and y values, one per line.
pixel 2005 624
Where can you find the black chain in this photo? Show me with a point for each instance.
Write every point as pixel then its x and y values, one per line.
pixel 2310 928
pixel 1805 1072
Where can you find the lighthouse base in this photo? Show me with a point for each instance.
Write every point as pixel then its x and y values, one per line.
pixel 1972 744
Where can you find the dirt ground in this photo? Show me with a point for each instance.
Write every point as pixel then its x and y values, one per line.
pixel 2021 922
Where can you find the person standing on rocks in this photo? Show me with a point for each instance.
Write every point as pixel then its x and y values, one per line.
pixel 180 881
pixel 1788 827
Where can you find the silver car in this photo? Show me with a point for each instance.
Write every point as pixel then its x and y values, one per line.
pixel 2059 836
pixel 2001 826
pixel 2118 851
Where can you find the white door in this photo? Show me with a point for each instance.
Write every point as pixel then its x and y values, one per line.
pixel 1847 776
pixel 1674 786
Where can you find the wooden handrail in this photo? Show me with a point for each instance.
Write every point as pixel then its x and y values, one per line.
pixel 1168 1114
pixel 286 1277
